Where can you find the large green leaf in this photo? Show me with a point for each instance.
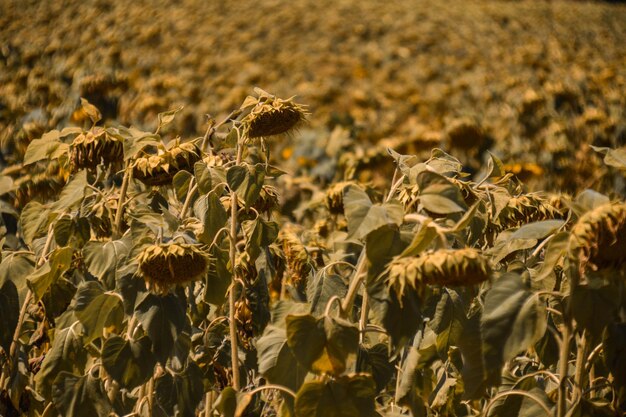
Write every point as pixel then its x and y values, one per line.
pixel 322 345
pixel 66 354
pixel 322 287
pixel 45 276
pixel 67 227
pixel 134 140
pixel 16 267
pixel 203 177
pixel 537 230
pixel 401 318
pixel 512 320
pixel 218 277
pixel 438 194
pixel 79 396
pixel 556 248
pixel 381 245
pixel 72 194
pixel 180 393
pixel 448 321
pixel 181 182
pixel 213 214
pixel 348 396
pixel 103 259
pixel 421 240
pixel 439 204
pixel 375 361
pixel 473 371
pixel 98 310
pixel 34 221
pixel 364 217
pixel 277 362
pixel 129 362
pixel 246 181
pixel 49 146
pixel 260 234
pixel 9 313
pixel 306 338
pixel 163 319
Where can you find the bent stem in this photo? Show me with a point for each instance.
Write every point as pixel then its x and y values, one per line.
pixel 192 189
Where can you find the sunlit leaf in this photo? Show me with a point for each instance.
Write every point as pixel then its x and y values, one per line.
pixel 98 310
pixel 364 217
pixel 277 362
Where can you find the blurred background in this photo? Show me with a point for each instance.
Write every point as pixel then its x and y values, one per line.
pixel 534 82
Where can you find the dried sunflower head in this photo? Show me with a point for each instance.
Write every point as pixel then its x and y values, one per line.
pixel 160 169
pixel 526 209
pixel 169 264
pixel 43 184
pixel 268 199
pixel 269 115
pixel 598 240
pixel 245 322
pixel 334 196
pixel 297 262
pixel 449 267
pixel 465 134
pixel 94 147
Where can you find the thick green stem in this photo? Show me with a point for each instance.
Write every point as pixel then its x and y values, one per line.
pixel 353 289
pixel 234 351
pixel 128 176
pixel 29 296
pixel 192 189
pixel 581 359
pixel 563 364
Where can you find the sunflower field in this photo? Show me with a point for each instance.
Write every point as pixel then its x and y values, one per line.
pixel 312 208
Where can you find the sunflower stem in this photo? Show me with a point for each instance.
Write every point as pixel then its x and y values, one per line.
pixel 563 364
pixel 234 350
pixel 192 189
pixel 29 296
pixel 128 175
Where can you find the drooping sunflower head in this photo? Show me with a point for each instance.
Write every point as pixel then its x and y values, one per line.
pixel 159 169
pixel 598 240
pixel 464 133
pixel 334 196
pixel 297 260
pixel 269 115
pixel 268 199
pixel 95 147
pixel 448 267
pixel 166 265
